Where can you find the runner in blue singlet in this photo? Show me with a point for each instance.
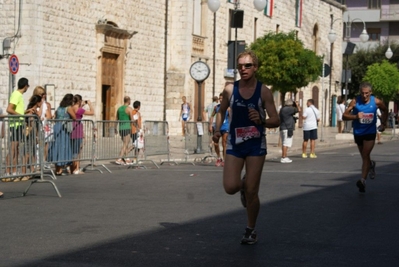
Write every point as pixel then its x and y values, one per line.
pixel 246 144
pixel 362 110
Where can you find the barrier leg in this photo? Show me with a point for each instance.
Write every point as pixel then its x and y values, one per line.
pixel 42 181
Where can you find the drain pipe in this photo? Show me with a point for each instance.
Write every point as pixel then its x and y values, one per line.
pixel 165 70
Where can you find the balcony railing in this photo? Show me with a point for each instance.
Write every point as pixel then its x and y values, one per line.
pixel 198 45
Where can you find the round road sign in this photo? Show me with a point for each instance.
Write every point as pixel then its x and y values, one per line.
pixel 13 63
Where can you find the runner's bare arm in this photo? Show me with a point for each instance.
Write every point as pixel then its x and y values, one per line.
pixel 347 116
pixel 227 92
pixel 267 97
pixel 384 111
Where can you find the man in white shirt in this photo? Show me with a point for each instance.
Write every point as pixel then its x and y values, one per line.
pixel 340 109
pixel 311 116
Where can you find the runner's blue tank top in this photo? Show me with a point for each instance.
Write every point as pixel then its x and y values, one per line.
pixel 243 131
pixel 225 125
pixel 367 124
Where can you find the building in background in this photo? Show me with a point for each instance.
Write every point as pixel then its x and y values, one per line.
pixel 381 18
pixel 105 50
pixel 382 23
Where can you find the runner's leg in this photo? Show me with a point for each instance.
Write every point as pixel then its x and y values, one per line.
pixel 253 169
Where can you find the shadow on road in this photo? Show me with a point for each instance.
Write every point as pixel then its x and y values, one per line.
pixel 330 225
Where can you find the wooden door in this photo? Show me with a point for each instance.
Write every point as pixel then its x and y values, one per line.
pixel 109 74
pixel 315 96
pixel 109 90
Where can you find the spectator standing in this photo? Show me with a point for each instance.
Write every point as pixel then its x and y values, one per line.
pixel 60 151
pixel 363 111
pixel 16 106
pixel 287 127
pixel 31 133
pixel 2 127
pixel 224 131
pixel 123 116
pixel 136 121
pixel 211 122
pixel 209 110
pixel 340 109
pixel 44 113
pixel 311 116
pixel 391 118
pixel 246 145
pixel 136 126
pixel 77 134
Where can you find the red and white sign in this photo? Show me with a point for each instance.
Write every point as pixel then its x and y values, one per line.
pixel 13 64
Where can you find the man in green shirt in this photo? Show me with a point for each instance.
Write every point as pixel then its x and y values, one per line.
pixel 123 116
pixel 16 106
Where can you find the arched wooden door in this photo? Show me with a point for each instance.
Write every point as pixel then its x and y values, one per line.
pixel 109 75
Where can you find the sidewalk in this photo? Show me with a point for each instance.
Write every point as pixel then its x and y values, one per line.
pixel 327 139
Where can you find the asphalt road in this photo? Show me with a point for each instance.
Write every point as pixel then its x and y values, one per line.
pixel 311 215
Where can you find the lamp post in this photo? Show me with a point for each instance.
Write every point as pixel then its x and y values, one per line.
pixel 214 5
pixel 332 36
pixel 389 53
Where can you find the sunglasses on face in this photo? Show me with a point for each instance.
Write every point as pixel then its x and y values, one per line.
pixel 246 65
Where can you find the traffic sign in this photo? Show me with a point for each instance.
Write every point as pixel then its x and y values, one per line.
pixel 327 70
pixel 13 64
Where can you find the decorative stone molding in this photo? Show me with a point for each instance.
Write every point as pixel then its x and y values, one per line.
pixel 114 32
pixel 198 45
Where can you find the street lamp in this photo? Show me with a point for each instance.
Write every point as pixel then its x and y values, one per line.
pixel 332 36
pixel 389 53
pixel 214 5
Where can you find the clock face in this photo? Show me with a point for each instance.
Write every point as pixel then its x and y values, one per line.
pixel 199 71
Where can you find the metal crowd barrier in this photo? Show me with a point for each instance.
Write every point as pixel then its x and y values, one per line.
pixel 108 142
pixel 112 143
pixel 70 141
pixel 22 151
pixel 156 140
pixel 197 142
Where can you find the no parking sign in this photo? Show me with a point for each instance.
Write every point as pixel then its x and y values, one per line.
pixel 13 64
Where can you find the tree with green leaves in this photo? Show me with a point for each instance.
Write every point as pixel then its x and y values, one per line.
pixel 363 58
pixel 384 77
pixel 284 62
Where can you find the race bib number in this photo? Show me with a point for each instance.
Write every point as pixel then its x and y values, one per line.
pixel 367 118
pixel 245 133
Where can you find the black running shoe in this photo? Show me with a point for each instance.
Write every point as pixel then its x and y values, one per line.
pixel 362 186
pixel 249 237
pixel 372 170
pixel 242 193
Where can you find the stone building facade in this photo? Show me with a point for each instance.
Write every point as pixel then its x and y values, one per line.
pixel 105 50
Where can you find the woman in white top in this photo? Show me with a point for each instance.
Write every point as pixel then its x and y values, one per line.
pixel 340 109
